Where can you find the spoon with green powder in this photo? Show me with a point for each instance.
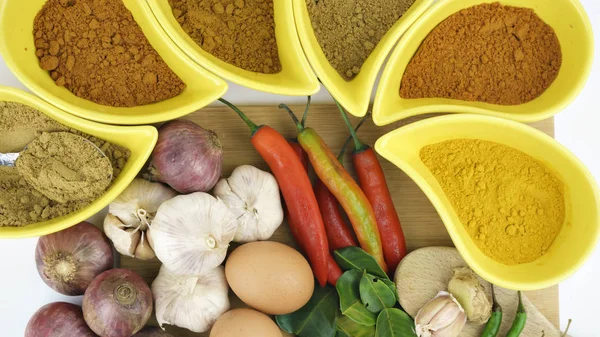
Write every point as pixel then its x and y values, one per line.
pixel 63 167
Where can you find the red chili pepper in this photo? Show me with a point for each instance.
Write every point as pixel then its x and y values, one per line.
pixel 338 233
pixel 344 188
pixel 297 192
pixel 333 270
pixel 300 153
pixel 372 180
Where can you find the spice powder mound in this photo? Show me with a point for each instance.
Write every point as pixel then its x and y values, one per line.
pixel 488 53
pixel 239 32
pixel 349 30
pixel 512 206
pixel 96 50
pixel 20 203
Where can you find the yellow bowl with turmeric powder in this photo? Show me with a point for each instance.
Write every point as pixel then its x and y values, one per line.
pixel 296 78
pixel 353 95
pixel 580 231
pixel 18 50
pixel 574 33
pixel 140 140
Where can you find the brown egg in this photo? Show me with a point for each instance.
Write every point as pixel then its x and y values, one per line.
pixel 245 323
pixel 270 277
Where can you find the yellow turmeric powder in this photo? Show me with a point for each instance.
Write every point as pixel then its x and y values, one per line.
pixel 512 206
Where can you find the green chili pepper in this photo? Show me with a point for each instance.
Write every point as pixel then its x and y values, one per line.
pixel 493 324
pixel 519 322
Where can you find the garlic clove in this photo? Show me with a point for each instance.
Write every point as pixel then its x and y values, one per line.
pixel 426 314
pixel 449 313
pixel 453 329
pixel 252 196
pixel 191 233
pixel 440 317
pixel 138 203
pixel 144 251
pixel 124 239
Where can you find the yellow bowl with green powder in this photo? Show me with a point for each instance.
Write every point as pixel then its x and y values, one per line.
pixel 296 78
pixel 140 140
pixel 577 236
pixel 17 47
pixel 353 95
pixel 573 30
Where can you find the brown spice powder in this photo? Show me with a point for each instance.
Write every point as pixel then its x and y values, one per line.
pixel 488 53
pixel 96 50
pixel 349 30
pixel 20 203
pixel 239 32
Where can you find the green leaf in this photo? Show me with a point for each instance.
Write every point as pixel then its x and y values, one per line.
pixel 392 287
pixel 355 258
pixel 375 294
pixel 341 334
pixel 348 290
pixel 317 318
pixel 394 323
pixel 348 327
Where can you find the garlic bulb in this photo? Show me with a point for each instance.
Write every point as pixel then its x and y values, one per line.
pixel 194 303
pixel 131 214
pixel 467 290
pixel 253 197
pixel 441 317
pixel 191 233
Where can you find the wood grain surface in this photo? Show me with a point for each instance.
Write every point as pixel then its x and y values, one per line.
pixel 421 223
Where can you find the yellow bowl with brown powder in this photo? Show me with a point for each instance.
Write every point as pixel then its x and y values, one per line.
pixel 140 140
pixel 295 78
pixel 353 95
pixel 574 33
pixel 577 235
pixel 17 46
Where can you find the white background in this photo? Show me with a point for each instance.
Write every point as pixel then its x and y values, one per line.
pixel 22 292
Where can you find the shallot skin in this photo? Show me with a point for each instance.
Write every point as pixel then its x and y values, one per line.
pixel 118 303
pixel 69 260
pixel 58 319
pixel 186 157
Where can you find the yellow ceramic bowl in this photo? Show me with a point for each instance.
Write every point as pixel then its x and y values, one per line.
pixel 140 140
pixel 17 48
pixel 574 32
pixel 580 232
pixel 354 95
pixel 295 78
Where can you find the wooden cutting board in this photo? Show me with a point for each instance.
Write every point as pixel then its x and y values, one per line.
pixel 421 223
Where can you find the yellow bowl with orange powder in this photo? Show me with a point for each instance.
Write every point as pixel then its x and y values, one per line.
pixel 354 95
pixel 18 50
pixel 140 140
pixel 296 78
pixel 581 229
pixel 566 17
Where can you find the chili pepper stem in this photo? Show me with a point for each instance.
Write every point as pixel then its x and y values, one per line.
pixel 305 115
pixel 496 306
pixel 521 307
pixel 253 127
pixel 299 125
pixel 567 329
pixel 358 145
pixel 343 151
